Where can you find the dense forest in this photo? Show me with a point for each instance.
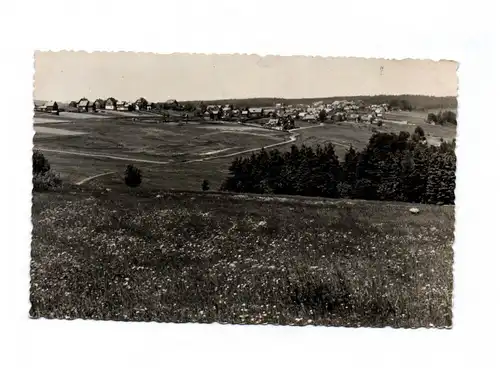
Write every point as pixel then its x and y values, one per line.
pixel 391 167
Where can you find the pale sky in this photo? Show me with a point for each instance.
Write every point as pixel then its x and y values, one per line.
pixel 65 76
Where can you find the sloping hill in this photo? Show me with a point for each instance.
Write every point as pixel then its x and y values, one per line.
pixel 201 257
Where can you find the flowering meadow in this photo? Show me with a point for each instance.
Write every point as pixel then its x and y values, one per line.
pixel 239 259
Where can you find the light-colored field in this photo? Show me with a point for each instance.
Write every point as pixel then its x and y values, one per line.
pixel 57 131
pixel 233 128
pixel 46 120
pixel 129 114
pixel 81 115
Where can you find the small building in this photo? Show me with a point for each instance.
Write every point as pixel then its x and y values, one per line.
pixel 171 103
pixel 99 104
pixel 269 112
pixel 110 105
pixel 38 104
pixel 141 105
pixel 50 106
pixel 255 112
pixel 309 118
pixel 83 105
pixel 122 106
pixel 244 113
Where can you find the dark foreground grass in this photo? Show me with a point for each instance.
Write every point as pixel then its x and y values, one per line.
pixel 192 257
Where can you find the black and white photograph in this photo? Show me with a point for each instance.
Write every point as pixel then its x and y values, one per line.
pixel 243 189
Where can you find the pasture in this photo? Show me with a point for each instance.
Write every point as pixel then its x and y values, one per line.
pixel 195 257
pixel 179 155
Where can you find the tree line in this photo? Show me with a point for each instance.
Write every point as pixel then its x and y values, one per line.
pixel 391 167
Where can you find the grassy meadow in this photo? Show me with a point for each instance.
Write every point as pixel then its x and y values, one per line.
pixel 206 257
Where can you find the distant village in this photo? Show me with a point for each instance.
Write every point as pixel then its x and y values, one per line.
pixel 279 116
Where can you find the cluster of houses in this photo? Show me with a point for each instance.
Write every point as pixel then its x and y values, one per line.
pixel 110 104
pixel 278 115
pixel 340 110
pixel 228 111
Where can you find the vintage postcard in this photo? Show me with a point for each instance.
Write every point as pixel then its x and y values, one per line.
pixel 243 189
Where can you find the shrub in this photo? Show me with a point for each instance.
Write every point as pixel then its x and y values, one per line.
pixel 344 190
pixel 40 163
pixel 322 115
pixel 133 176
pixel 205 185
pixel 419 131
pixel 432 118
pixel 46 181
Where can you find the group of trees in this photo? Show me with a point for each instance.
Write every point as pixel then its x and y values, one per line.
pixel 402 104
pixel 392 167
pixel 442 118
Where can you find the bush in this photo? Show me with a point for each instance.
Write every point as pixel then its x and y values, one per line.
pixel 46 181
pixel 133 176
pixel 432 118
pixel 40 163
pixel 205 185
pixel 322 115
pixel 419 131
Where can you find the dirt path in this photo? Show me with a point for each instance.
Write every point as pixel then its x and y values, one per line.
pixel 93 177
pixel 292 139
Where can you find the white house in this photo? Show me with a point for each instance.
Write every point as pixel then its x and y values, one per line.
pixel 110 105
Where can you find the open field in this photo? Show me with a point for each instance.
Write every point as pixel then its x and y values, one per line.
pixel 57 131
pixel 47 120
pixel 158 149
pixel 194 257
pixel 174 156
pixel 66 117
